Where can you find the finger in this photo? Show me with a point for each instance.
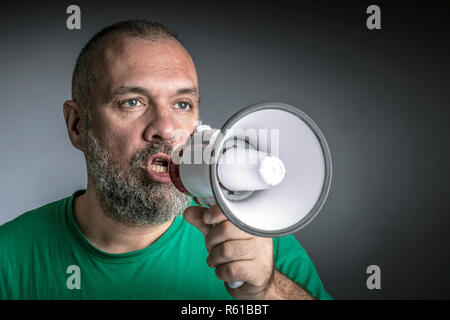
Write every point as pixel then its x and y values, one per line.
pixel 236 271
pixel 232 250
pixel 194 215
pixel 223 232
pixel 214 215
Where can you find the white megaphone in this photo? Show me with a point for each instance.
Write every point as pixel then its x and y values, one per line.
pixel 268 169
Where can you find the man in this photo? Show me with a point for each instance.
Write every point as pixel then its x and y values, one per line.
pixel 124 237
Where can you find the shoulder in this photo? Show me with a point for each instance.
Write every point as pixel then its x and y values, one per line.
pixel 30 224
pixel 24 247
pixel 287 246
pixel 292 260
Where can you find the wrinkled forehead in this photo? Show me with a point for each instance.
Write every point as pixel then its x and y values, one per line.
pixel 160 64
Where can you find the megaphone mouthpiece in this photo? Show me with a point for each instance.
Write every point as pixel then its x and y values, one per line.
pixel 272 170
pixel 243 169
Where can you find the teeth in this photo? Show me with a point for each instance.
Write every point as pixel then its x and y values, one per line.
pixel 159 168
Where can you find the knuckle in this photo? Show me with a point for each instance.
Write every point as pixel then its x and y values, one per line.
pixel 212 215
pixel 216 210
pixel 227 250
pixel 234 270
pixel 246 273
pixel 226 226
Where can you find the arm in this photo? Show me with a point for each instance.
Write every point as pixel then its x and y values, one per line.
pixel 282 288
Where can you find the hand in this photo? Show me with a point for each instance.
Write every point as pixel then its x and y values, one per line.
pixel 236 255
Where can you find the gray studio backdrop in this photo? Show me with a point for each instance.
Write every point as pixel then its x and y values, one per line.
pixel 379 97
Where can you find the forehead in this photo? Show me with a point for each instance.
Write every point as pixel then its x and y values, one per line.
pixel 158 64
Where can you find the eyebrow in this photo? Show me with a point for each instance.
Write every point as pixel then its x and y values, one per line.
pixel 192 91
pixel 135 89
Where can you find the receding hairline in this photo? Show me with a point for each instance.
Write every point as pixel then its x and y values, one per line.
pixel 112 41
pixel 83 76
pixel 119 36
pixel 100 55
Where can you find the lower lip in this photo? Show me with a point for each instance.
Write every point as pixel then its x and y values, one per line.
pixel 163 177
pixel 158 176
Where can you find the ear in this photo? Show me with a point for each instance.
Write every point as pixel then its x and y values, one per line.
pixel 73 116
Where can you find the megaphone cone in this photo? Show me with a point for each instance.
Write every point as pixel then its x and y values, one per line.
pixel 268 169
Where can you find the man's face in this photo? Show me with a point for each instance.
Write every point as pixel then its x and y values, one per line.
pixel 145 92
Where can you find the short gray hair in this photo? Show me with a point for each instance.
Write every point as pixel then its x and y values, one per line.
pixel 83 75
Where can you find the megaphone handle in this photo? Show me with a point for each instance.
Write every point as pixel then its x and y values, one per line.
pixel 235 284
pixel 206 203
pixel 232 284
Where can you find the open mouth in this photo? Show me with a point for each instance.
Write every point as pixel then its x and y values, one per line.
pixel 158 167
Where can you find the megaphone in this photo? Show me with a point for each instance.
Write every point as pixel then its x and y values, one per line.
pixel 268 168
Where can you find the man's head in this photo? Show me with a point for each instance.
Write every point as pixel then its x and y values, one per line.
pixel 134 86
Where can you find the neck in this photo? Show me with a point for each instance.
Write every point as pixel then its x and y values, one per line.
pixel 107 234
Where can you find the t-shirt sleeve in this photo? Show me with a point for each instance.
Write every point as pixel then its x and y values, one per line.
pixel 292 261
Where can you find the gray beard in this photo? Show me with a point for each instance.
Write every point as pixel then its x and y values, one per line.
pixel 132 198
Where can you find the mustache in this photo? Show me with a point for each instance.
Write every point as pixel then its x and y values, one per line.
pixel 159 146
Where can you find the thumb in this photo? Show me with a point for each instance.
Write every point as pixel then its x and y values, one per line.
pixel 194 215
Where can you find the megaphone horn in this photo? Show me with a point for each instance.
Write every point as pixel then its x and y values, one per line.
pixel 268 169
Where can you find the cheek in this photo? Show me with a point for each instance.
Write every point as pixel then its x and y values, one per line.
pixel 189 125
pixel 185 128
pixel 120 142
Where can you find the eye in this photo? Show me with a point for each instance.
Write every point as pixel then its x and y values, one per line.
pixel 132 103
pixel 184 105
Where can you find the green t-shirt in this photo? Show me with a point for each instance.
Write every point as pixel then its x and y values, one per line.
pixel 44 255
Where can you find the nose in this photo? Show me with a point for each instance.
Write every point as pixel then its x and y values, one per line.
pixel 161 126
